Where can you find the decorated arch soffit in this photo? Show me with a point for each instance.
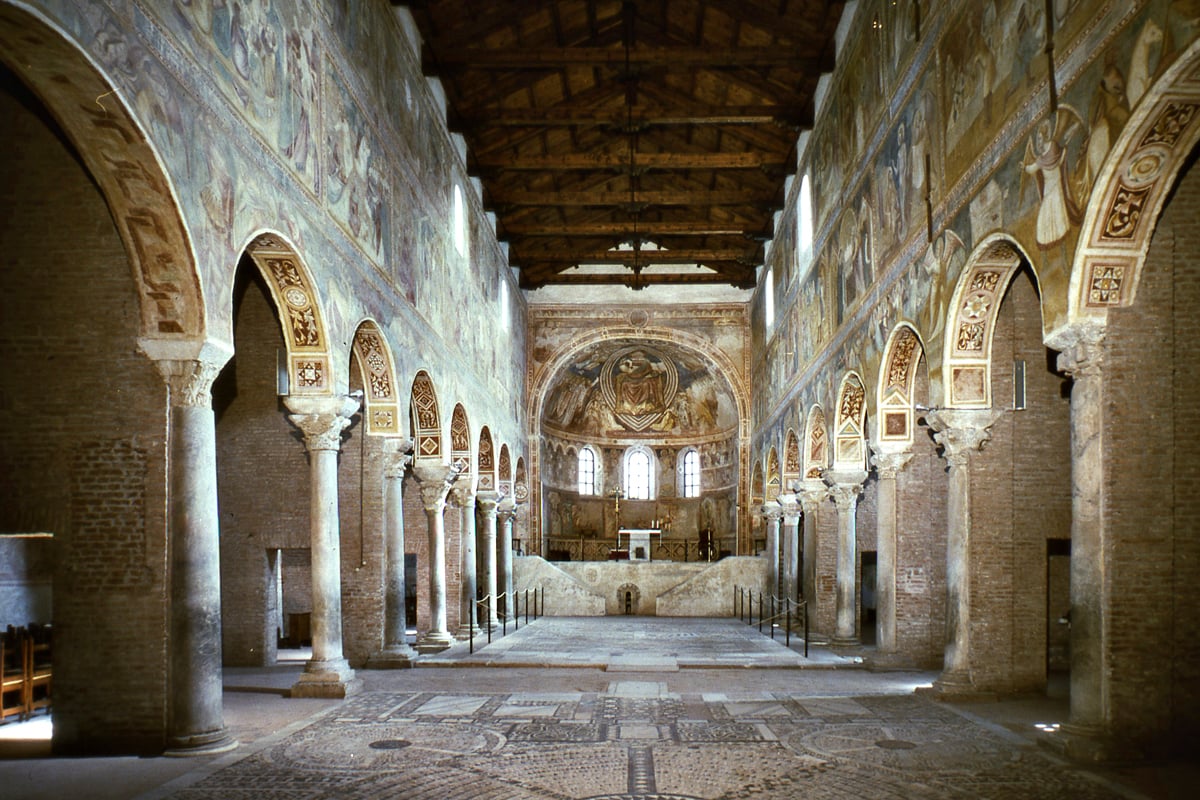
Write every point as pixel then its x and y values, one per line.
pixel 849 450
pixel 381 399
pixel 291 285
pixel 520 482
pixel 487 461
pixel 774 475
pixel 757 484
pixel 816 449
pixel 426 419
pixel 973 310
pixel 896 382
pixel 635 379
pixel 505 485
pixel 1142 166
pixel 792 465
pixel 460 442
pixel 117 153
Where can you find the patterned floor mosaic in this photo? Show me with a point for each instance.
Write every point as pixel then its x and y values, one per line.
pixel 637 741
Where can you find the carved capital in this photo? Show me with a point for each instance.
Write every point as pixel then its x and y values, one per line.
pixel 1084 352
pixel 790 506
pixel 889 464
pixel 188 367
pixel 397 456
pixel 506 510
pixel 962 432
pixel 321 419
pixel 436 481
pixel 487 503
pixel 812 493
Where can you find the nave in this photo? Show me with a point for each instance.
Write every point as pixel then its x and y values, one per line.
pixel 644 725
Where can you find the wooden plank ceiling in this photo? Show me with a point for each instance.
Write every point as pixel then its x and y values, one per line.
pixel 634 133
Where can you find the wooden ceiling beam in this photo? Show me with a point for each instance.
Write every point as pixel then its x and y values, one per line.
pixel 578 114
pixel 621 160
pixel 680 256
pixel 520 197
pixel 440 58
pixel 642 227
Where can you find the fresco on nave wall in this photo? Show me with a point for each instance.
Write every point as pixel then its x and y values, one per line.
pixel 358 177
pixel 266 61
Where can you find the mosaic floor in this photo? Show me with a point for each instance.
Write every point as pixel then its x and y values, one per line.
pixel 636 740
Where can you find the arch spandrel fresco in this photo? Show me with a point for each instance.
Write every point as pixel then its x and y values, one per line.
pixel 623 388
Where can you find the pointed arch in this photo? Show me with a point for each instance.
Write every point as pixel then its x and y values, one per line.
pixel 897 380
pixel 380 397
pixel 304 335
pixel 1131 190
pixel 426 418
pixel 774 474
pixel 849 440
pixel 792 464
pixel 127 169
pixel 520 482
pixel 757 484
pixel 460 440
pixel 967 373
pixel 816 450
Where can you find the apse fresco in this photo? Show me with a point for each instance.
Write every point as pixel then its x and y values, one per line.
pixel 623 388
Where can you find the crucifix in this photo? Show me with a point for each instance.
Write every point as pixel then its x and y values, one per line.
pixel 616 495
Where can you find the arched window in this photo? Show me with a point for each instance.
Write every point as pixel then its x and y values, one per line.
pixel 689 473
pixel 804 227
pixel 460 222
pixel 587 471
pixel 639 474
pixel 769 298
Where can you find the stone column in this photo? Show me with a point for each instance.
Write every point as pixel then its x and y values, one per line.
pixel 812 495
pixel 791 546
pixel 436 480
pixel 505 512
pixel 322 420
pixel 887 466
pixel 1087 733
pixel 195 723
pixel 844 488
pixel 772 514
pixel 396 654
pixel 961 433
pixel 464 500
pixel 487 502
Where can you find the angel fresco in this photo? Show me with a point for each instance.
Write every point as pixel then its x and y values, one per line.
pixel 1046 160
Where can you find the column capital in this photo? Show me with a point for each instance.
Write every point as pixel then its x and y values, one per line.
pixel 790 505
pixel 321 418
pixel 436 480
pixel 1083 351
pixel 844 495
pixel 961 432
pixel 890 463
pixel 772 510
pixel 189 367
pixel 462 494
pixel 397 456
pixel 812 493
pixel 487 502
pixel 506 509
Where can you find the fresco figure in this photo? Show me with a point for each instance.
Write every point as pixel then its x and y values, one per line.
pixel 639 385
pixel 1045 159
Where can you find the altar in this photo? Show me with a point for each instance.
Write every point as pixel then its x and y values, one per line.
pixel 637 542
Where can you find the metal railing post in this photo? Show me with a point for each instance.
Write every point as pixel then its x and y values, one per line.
pixel 760 611
pixel 787 635
pixel 487 619
pixel 772 617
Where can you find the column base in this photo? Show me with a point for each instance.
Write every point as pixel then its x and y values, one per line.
pixel 329 678
pixel 434 642
pixel 393 657
pixel 464 632
pixel 200 744
pixel 1091 744
pixel 955 686
pixel 845 641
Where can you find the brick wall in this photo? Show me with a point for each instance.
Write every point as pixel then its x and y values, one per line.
pixel 1152 552
pixel 1021 496
pixel 82 438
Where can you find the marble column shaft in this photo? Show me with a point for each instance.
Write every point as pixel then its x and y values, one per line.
pixel 961 433
pixel 486 502
pixel 1084 361
pixel 195 723
pixel 506 512
pixel 322 420
pixel 887 466
pixel 812 496
pixel 844 488
pixel 464 501
pixel 772 513
pixel 791 545
pixel 436 481
pixel 396 651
